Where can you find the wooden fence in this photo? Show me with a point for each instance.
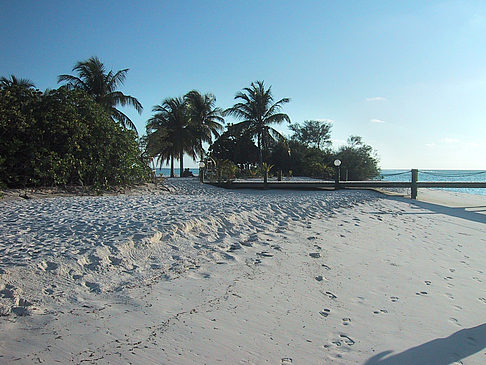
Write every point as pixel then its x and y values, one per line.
pixel 413 184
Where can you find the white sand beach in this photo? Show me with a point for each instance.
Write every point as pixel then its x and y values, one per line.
pixel 201 275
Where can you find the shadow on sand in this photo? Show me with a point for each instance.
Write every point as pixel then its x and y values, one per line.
pixel 440 351
pixel 458 212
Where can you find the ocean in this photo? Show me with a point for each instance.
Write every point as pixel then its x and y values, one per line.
pixel 166 171
pixel 439 175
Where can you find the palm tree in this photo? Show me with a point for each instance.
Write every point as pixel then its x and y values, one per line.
pixel 205 118
pixel 171 132
pixel 102 85
pixel 258 111
pixel 157 143
pixel 13 81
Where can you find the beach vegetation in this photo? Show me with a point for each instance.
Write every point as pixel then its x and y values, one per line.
pixel 313 133
pixel 93 78
pixel 181 125
pixel 359 160
pixel 63 137
pixel 302 160
pixel 257 111
pixel 14 81
pixel 235 145
pixel 170 133
pixel 205 118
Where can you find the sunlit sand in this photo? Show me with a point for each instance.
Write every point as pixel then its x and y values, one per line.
pixel 205 275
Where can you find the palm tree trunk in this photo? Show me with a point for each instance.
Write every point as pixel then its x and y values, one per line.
pixel 260 148
pixel 181 162
pixel 172 166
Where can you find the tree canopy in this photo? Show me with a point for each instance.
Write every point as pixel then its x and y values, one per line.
pixel 102 85
pixel 182 125
pixel 63 137
pixel 312 133
pixel 256 109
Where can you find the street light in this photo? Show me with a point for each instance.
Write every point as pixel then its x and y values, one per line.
pixel 337 163
pixel 202 165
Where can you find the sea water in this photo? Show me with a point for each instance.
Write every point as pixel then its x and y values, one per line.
pixel 166 171
pixel 439 175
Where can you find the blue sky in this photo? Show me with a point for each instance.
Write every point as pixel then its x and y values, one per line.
pixel 409 77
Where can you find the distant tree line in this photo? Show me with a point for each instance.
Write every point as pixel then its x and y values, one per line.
pixel 76 134
pixel 306 152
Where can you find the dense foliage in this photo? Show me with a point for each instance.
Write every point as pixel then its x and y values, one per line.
pixel 312 133
pixel 297 156
pixel 75 135
pixel 257 111
pixel 236 146
pixel 96 81
pixel 359 161
pixel 63 137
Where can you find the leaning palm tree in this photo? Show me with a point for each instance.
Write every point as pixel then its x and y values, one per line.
pixel 205 118
pixel 258 112
pixel 176 136
pixel 102 85
pixel 14 81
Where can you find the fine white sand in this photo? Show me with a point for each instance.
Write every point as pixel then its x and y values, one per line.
pixel 202 275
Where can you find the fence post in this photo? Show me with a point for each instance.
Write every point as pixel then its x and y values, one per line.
pixel 413 192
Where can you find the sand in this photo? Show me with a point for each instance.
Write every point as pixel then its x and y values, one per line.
pixel 201 275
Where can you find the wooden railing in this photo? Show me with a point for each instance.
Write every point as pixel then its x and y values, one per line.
pixel 413 184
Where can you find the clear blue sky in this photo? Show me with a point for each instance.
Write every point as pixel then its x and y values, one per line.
pixel 407 76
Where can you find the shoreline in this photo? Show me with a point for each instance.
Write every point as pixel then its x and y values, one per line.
pixel 204 275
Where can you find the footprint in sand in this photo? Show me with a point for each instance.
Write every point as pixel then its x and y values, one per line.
pixel 311 238
pixel 421 293
pixel 427 282
pixel 454 320
pixel 315 255
pixel 347 340
pixel 234 247
pixel 346 321
pixel 265 254
pixel 331 295
pixel 93 287
pixel 286 361
pixel 319 278
pixel 326 267
pixel 477 279
pixel 380 311
pixel 325 312
pixel 394 299
pixel 482 300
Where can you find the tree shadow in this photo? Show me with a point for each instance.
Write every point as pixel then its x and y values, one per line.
pixel 457 346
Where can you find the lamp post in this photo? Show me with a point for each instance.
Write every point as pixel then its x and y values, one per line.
pixel 337 163
pixel 202 165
